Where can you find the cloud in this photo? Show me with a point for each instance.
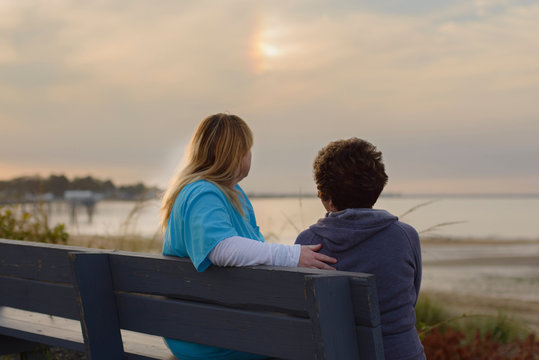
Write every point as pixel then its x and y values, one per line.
pixel 121 85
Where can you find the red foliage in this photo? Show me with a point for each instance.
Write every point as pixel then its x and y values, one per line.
pixel 452 345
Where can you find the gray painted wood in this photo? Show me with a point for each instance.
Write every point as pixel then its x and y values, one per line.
pixel 40 328
pixel 260 309
pixel 38 296
pixel 330 307
pixel 370 342
pixel 365 301
pixel 37 261
pixel 97 305
pixel 66 333
pixel 170 276
pixel 246 288
pixel 271 334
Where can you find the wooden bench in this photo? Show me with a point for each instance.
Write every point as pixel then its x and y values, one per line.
pixel 117 305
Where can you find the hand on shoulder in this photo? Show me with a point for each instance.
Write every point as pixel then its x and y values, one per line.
pixel 310 258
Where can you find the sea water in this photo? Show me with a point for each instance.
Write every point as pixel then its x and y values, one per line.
pixel 496 264
pixel 281 219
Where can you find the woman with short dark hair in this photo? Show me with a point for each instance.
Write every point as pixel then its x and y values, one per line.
pixel 350 176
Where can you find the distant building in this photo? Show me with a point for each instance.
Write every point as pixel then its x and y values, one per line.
pixel 47 197
pixel 82 196
pixel 74 195
pixel 86 198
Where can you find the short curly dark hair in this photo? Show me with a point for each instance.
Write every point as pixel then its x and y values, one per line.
pixel 350 173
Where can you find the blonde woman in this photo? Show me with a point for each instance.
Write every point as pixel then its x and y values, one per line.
pixel 207 217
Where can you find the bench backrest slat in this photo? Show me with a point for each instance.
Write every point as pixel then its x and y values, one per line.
pixel 37 261
pixel 276 335
pixel 248 287
pixel 33 295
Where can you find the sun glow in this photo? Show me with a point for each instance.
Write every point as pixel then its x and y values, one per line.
pixel 266 48
pixel 269 50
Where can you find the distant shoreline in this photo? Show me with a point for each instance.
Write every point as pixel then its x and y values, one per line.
pixel 254 195
pixel 463 241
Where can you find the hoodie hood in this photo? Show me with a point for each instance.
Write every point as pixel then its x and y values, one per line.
pixel 346 229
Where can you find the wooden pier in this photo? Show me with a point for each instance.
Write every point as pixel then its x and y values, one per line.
pixel 73 199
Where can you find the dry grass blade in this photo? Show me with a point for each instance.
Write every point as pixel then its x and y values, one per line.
pixel 416 207
pixel 140 204
pixel 290 222
pixel 435 227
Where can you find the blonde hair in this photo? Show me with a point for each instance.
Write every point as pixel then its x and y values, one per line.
pixel 215 154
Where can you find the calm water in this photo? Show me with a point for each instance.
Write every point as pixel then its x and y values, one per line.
pixel 281 219
pixel 511 273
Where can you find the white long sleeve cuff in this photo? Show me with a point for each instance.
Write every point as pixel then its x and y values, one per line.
pixel 241 251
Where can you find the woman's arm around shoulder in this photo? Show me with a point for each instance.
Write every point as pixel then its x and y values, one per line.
pixel 239 251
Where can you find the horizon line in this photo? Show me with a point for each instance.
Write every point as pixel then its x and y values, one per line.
pixel 254 194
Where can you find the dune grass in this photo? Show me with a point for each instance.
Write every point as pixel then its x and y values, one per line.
pixel 502 327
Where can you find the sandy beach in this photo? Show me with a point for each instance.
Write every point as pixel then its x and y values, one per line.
pixel 484 277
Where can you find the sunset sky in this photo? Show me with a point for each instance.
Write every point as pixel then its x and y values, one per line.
pixel 447 90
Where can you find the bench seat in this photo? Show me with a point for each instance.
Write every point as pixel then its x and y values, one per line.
pixel 66 333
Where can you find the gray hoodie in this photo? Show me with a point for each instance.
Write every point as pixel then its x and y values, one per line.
pixel 375 242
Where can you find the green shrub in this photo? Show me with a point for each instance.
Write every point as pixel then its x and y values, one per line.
pixel 452 345
pixel 430 314
pixel 472 336
pixel 501 328
pixel 22 225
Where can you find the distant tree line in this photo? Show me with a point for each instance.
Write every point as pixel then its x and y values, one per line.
pixel 20 187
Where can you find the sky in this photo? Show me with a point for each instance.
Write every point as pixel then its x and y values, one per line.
pixel 447 90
